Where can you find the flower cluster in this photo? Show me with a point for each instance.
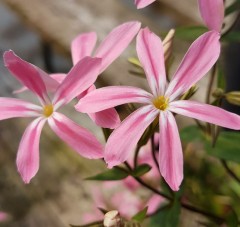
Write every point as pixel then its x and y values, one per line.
pixel 157 106
pixel 162 103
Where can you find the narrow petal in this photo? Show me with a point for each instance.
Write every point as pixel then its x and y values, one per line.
pixel 199 59
pixel 77 137
pixel 59 77
pixel 106 118
pixel 116 42
pixel 212 13
pixel 81 77
pixel 28 151
pixel 82 46
pixel 50 84
pixel 170 151
pixel 29 75
pixel 107 97
pixel 124 138
pixel 154 202
pixel 143 3
pixel 151 55
pixel 205 112
pixel 10 108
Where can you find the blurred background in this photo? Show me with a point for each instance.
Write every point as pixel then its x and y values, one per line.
pixel 40 32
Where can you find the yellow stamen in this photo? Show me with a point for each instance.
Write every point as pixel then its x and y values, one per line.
pixel 161 102
pixel 48 110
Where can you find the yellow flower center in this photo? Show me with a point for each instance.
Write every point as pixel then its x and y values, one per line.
pixel 161 102
pixel 48 110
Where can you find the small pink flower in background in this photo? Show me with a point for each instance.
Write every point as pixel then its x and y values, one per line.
pixel 109 49
pixel 144 157
pixel 3 216
pixel 127 196
pixel 143 3
pixel 198 60
pixel 82 75
pixel 212 12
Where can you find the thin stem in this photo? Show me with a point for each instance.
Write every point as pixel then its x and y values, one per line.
pixel 100 223
pixel 205 213
pixel 210 86
pixel 229 171
pixel 153 152
pixel 136 156
pixel 232 26
pixel 143 183
pixel 184 205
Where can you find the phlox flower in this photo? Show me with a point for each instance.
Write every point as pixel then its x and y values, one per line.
pixel 3 216
pixel 143 3
pixel 127 195
pixel 161 103
pixel 108 50
pixel 81 76
pixel 212 12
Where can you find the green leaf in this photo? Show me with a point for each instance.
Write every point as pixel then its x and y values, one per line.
pixel 232 8
pixel 220 78
pixel 233 36
pixel 191 133
pixel 141 170
pixel 168 216
pixel 190 33
pixel 227 146
pixel 110 175
pixel 141 215
pixel 232 219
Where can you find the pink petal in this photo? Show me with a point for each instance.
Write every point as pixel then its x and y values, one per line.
pixel 212 12
pixel 107 97
pixel 170 151
pixel 81 77
pixel 82 46
pixel 28 151
pixel 124 138
pixel 151 55
pixel 106 118
pixel 205 112
pixel 29 75
pixel 77 137
pixel 10 108
pixel 199 59
pixel 59 77
pixel 51 81
pixel 116 42
pixel 3 216
pixel 154 202
pixel 143 3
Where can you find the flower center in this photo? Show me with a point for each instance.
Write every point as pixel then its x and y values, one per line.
pixel 161 102
pixel 48 110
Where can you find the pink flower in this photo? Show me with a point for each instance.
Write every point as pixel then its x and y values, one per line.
pixel 143 3
pixel 199 59
pixel 110 48
pixel 212 12
pixel 3 216
pixel 144 157
pixel 82 75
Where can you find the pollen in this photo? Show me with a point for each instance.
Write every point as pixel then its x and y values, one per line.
pixel 48 110
pixel 161 102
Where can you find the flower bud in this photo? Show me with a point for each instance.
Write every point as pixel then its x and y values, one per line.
pixel 168 43
pixel 233 97
pixel 218 93
pixel 112 219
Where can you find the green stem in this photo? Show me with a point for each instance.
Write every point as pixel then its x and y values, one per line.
pixel 229 171
pixel 153 152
